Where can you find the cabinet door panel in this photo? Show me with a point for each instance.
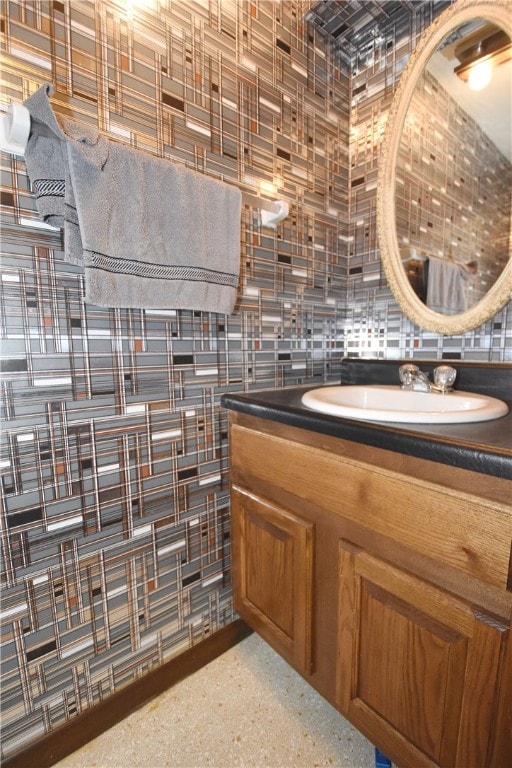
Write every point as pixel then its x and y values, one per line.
pixel 273 575
pixel 405 660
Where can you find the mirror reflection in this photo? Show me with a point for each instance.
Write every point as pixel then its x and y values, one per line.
pixel 454 170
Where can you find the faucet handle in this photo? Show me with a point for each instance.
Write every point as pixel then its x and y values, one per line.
pixel 407 374
pixel 444 378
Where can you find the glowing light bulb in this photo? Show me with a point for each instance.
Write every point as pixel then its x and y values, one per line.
pixel 480 75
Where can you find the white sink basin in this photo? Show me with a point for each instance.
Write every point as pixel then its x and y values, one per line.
pixel 380 402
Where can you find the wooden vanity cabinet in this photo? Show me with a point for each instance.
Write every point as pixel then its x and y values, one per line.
pixel 383 580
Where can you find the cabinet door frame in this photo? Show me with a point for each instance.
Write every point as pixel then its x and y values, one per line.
pixel 294 537
pixel 472 643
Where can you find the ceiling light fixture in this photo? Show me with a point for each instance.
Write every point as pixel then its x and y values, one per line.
pixel 479 75
pixel 480 54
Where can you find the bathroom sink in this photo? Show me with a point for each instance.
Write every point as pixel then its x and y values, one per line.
pixel 380 402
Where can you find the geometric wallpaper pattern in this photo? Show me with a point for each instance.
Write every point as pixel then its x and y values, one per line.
pixel 115 522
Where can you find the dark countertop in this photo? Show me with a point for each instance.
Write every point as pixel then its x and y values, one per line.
pixel 484 447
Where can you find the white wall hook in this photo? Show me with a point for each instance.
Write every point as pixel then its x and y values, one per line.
pixel 14 128
pixel 271 218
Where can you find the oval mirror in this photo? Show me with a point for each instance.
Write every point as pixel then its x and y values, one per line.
pixel 445 180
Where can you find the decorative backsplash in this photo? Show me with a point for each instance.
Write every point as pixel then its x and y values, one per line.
pixel 115 534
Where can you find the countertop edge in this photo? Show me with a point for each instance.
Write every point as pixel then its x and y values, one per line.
pixel 406 441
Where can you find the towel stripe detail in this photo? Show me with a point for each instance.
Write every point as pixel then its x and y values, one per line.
pixel 71 215
pixel 49 187
pixel 158 271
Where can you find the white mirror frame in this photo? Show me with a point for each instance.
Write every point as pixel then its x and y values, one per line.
pixel 500 13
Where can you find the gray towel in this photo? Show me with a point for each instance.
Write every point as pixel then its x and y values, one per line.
pixel 445 287
pixel 149 233
pixel 48 170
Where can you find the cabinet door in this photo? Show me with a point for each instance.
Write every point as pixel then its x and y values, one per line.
pixel 273 575
pixel 418 669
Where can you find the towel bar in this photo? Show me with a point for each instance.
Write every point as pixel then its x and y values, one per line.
pixel 15 124
pixel 14 128
pixel 271 219
pixel 272 211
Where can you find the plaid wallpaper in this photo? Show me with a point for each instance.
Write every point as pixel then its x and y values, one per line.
pixel 115 519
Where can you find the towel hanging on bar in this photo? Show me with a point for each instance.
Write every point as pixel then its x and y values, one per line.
pixel 150 233
pixel 445 287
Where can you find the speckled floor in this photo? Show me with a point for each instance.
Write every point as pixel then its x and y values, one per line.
pixel 247 709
